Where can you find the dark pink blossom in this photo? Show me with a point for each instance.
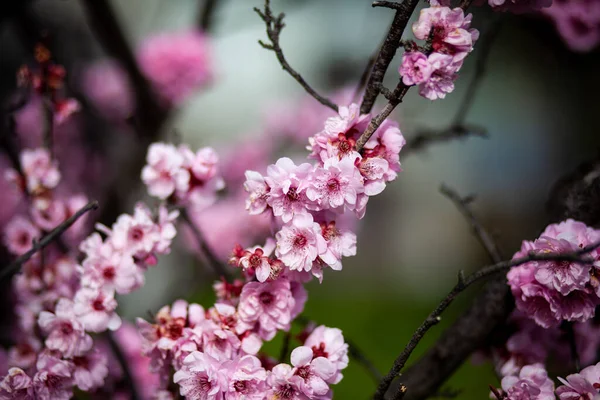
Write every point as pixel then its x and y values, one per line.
pixel 19 234
pixel 415 68
pixel 90 370
pixel 54 378
pixel 201 378
pixel 531 384
pixel 582 386
pixel 16 385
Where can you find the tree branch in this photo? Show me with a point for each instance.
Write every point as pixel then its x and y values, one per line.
pixel 486 240
pixel 388 50
pixel 46 240
pixel 359 356
pixel 206 14
pixel 463 283
pixel 274 26
pixel 428 137
pixel 212 260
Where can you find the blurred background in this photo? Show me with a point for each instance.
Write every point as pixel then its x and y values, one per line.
pixel 537 101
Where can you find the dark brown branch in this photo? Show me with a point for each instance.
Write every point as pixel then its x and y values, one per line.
pixel 428 137
pixel 206 14
pixel 462 284
pixel 570 333
pixel 128 376
pixel 207 252
pixel 388 49
pixel 274 26
pixel 485 238
pixel 46 240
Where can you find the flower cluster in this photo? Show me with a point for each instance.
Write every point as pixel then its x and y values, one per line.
pixel 215 352
pixel 176 63
pixel 451 40
pixel 182 176
pixel 577 22
pixel 551 292
pixel 60 301
pixel 48 80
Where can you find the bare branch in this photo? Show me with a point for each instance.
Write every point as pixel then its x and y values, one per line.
pixel 274 26
pixel 486 240
pixel 388 49
pixel 463 283
pixel 212 260
pixel 428 137
pixel 206 14
pixel 46 240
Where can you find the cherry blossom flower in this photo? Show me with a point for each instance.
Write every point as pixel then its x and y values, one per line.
pixel 336 184
pixel 268 305
pixel 19 235
pixel 584 385
pixel 65 331
pixel 441 80
pixel 257 260
pixel 48 213
pixel 246 379
pixel 137 233
pixel 300 243
pixel 287 181
pixel 284 385
pixel 532 383
pixel 201 377
pixel 41 173
pixel 111 269
pixel 315 372
pixel 258 191
pixel 329 343
pixel 95 309
pixel 205 180
pixel 176 63
pixel 16 385
pixel 90 370
pixel 164 173
pixel 54 378
pixel 415 68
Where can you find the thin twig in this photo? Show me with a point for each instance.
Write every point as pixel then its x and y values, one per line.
pixel 463 283
pixel 206 14
pixel 46 240
pixel 128 376
pixel 359 356
pixel 388 49
pixel 485 238
pixel 274 25
pixel 212 260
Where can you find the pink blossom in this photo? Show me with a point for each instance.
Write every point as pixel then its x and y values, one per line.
pixel 201 378
pixel 137 233
pixel 48 213
pixel 336 184
pixel 111 269
pixel 339 243
pixel 65 108
pixel 441 81
pixel 205 180
pixel 415 69
pixel 40 171
pixel 107 86
pixel 287 181
pixel 164 173
pixel 374 170
pixel 329 343
pixel 16 385
pixel 19 234
pixel 582 386
pixel 267 304
pixel 315 372
pixel 90 370
pixel 221 344
pixel 176 63
pixel 166 229
pixel 54 378
pixel 519 6
pixel 257 260
pixel 246 379
pixel 450 30
pixel 95 308
pixel 258 191
pixel 386 143
pixel 284 385
pixel 65 331
pixel 24 353
pixel 300 243
pixel 531 384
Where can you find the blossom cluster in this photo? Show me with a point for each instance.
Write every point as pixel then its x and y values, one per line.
pixel 60 301
pixel 577 22
pixel 550 291
pixel 451 39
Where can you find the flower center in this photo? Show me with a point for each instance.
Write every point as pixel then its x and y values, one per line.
pixel 303 372
pixel 136 234
pixel 292 194
pixel 286 391
pixel 255 260
pixel 300 241
pixel 66 328
pixel 240 386
pixel 98 304
pixel 333 185
pixel 204 384
pixel 266 298
pixel 319 351
pixel 109 273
